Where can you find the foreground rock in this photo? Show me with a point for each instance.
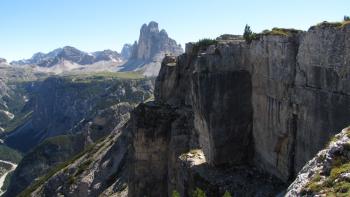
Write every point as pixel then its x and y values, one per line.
pixel 327 174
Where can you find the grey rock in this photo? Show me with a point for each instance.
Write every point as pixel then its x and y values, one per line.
pixel 320 166
pixel 127 51
pixel 150 49
pixel 273 103
pixel 3 61
pixel 101 171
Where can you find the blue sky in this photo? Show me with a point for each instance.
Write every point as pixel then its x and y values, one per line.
pixel 29 26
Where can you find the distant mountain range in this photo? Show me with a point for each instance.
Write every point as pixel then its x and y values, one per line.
pixel 144 56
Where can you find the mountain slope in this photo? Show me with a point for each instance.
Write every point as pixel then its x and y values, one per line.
pixel 57 150
pixel 99 171
pixel 17 85
pixel 62 102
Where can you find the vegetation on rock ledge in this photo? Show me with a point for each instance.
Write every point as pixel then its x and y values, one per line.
pixel 203 43
pixel 333 180
pixel 280 31
pixel 248 35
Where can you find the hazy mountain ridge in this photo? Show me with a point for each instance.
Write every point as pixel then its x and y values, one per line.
pixel 70 54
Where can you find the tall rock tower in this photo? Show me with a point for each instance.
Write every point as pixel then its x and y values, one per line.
pixel 148 52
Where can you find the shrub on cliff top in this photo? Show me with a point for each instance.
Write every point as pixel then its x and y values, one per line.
pixel 198 193
pixel 227 194
pixel 248 35
pixel 206 42
pixel 280 31
pixel 326 24
pixel 175 194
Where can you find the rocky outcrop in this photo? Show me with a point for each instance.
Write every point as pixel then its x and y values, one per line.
pixel 271 104
pixel 126 51
pixel 328 172
pixel 160 134
pixel 147 54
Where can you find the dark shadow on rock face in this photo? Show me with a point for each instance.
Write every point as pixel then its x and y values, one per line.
pixel 240 181
pixel 224 105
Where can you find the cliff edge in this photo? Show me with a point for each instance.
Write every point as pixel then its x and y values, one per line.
pixel 271 105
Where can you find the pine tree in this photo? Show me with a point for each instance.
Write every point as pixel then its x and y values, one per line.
pixel 248 35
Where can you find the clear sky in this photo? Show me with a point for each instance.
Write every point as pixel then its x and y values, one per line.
pixel 29 26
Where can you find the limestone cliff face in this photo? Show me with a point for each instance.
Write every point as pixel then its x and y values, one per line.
pixel 160 134
pixel 322 93
pixel 271 104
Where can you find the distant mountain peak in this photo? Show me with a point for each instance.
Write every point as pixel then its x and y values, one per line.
pixel 146 54
pixel 151 27
pixel 152 42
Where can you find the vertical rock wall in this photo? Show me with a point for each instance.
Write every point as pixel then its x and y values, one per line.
pixel 322 89
pixel 273 61
pixel 150 150
pixel 272 103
